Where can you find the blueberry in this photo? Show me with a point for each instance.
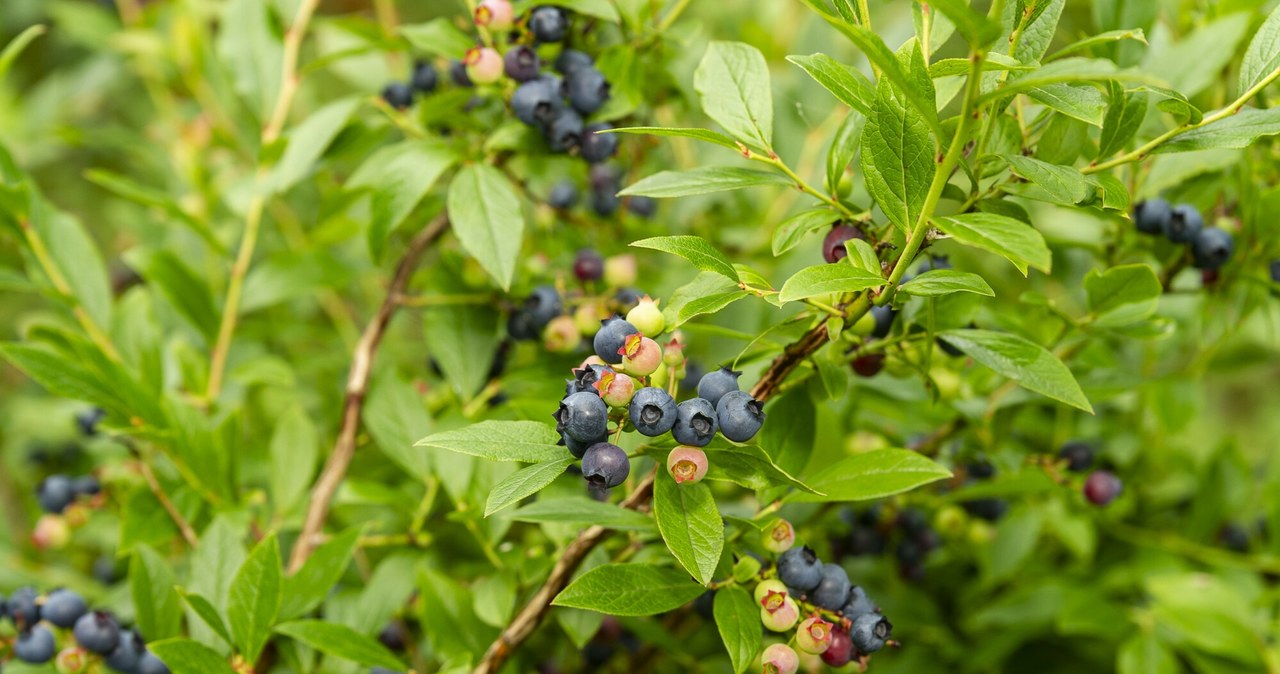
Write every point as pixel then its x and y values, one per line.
pixel 564 195
pixel 565 131
pixel 980 469
pixel 393 636
pixel 521 63
pixel 148 663
pixel 884 321
pixel 521 327
pixel 714 385
pixel 1212 248
pixel 653 411
pixel 86 485
pixel 869 632
pixel 124 658
pixel 866 541
pixel 695 422
pixel 868 365
pixel 596 146
pixel 799 568
pixel 588 265
pixel 577 449
pixel 570 60
pixel 586 89
pixel 23 608
pixel 1152 216
pixel 424 78
pixel 739 415
pixel 548 24
pixel 585 378
pixel 106 570
pixel 1078 455
pixel 582 416
pixel 97 632
pixel 537 102
pixel 1234 537
pixel 398 95
pixel 605 465
pixel 947 348
pixel 857 603
pixel 1275 271
pixel 458 73
pixel 643 207
pixel 628 298
pixel 55 493
pixel 1184 223
pixel 990 509
pixel 833 249
pixel 543 304
pixel 63 608
pixel 833 589
pixel 611 337
pixel 35 645
pixel 87 421
pixel 1102 487
pixel 604 202
pixel 604 177
pixel 841 650
pixel 912 521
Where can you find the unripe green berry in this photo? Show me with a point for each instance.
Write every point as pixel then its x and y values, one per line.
pixel 588 317
pixel 779 536
pixel 647 317
pixel 673 354
pixel 780 659
pixel 620 271
pixel 814 635
pixel 951 521
pixel 782 618
pixel 561 335
pixel 764 587
pixel 71 660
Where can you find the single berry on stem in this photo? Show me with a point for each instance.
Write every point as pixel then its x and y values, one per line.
pixel 740 416
pixel 611 337
pixel 63 608
pixel 1212 248
pixel 641 356
pixel 587 90
pixel 800 568
pixel 35 645
pixel 97 632
pixel 779 536
pixel 1078 455
pixel 832 591
pixel 521 63
pixel 582 416
pixel 484 65
pixel 647 317
pixel 779 613
pixel 605 465
pixel 814 635
pixel 425 78
pixel 1102 487
pixel 588 265
pixel 841 651
pixel 597 146
pixel 695 423
pixel 398 95
pixel 713 385
pixel 1184 223
pixel 869 632
pixel 687 464
pixel 536 103
pixel 653 411
pixel 780 659
pixel 495 15
pixel 833 249
pixel 548 24
pixel 1152 216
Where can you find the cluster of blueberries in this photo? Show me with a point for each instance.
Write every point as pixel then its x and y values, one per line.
pixel 1101 487
pixel 562 323
pixel 95 632
pixel 56 492
pixel 1211 247
pixel 855 629
pixel 907 532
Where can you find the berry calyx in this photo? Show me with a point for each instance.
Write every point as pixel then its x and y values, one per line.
pixel 814 635
pixel 647 317
pixel 766 588
pixel 687 464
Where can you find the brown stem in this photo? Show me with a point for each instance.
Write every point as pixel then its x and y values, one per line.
pixel 335 469
pixel 188 534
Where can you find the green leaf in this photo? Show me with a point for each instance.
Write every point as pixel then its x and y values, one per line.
pixel 793 229
pixel 486 216
pixel 1124 117
pixel 208 614
pixel 704 135
pixel 898 149
pixel 630 590
pixel 840 277
pixel 132 190
pixel 76 255
pixel 395 416
pixel 398 176
pixel 583 512
pixel 732 82
pixel 1135 34
pixel 462 338
pixel 690 524
pixel 871 475
pixel 1144 653
pixel 1063 183
pixel 255 596
pixel 1021 360
pixel 305 589
pixel 976 29
pixel 1122 295
pixel 1016 241
pixel 848 85
pixel 307 143
pixel 789 435
pixel 702 180
pixel 1260 60
pixel 249 45
pixel 185 290
pixel 707 293
pixel 944 282
pixel 844 146
pixel 697 250
pixel 910 81
pixel 601 9
pixel 215 562
pixel 1235 132
pixel 295 447
pixel 342 642
pixel 1196 61
pixel 1082 102
pixel 1066 71
pixel 526 441
pixel 524 483
pixel 738 620
pixel 862 256
pixel 158 610
pixel 16 46
pixel 184 656
pixel 439 37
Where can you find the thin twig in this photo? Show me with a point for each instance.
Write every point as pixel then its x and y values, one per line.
pixel 344 447
pixel 188 534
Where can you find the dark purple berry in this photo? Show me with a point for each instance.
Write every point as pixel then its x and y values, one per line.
pixel 1102 487
pixel 588 265
pixel 521 63
pixel 833 249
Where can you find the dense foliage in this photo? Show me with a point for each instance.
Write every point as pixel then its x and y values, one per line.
pixel 631 335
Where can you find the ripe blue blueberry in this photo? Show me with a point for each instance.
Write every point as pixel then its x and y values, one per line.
pixel 627 299
pixel 643 207
pixel 537 102
pixel 55 493
pixel 869 632
pixel 565 131
pixel 1078 455
pixel 1151 216
pixel 63 608
pixel 87 421
pixel 582 416
pixel 1212 248
pixel 425 78
pixel 884 321
pixel 97 632
pixel 570 60
pixel 587 89
pixel 86 485
pixel 1275 271
pixel 35 645
pixel 604 202
pixel 653 411
pixel 714 385
pixel 520 326
pixel 577 449
pixel 611 337
pixel 398 95
pixel 695 423
pixel 1184 223
pixel 543 304
pixel 148 663
pixel 124 658
pixel 596 146
pixel 989 509
pixel 106 570
pixel 521 63
pixel 833 590
pixel 22 607
pixel 858 603
pixel 564 195
pixel 458 73
pixel 548 24
pixel 800 569
pixel 739 415
pixel 605 465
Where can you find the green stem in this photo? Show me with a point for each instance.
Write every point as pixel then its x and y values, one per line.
pixel 674 14
pixel 60 283
pixel 774 161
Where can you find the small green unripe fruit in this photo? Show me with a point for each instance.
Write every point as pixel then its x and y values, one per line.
pixel 561 335
pixel 864 326
pixel 780 659
pixel 845 187
pixel 782 618
pixel 779 537
pixel 620 271
pixel 647 318
pixel 772 585
pixel 814 635
pixel 588 317
pixel 950 521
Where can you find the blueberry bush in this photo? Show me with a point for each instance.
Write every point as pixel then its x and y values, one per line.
pixel 639 336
